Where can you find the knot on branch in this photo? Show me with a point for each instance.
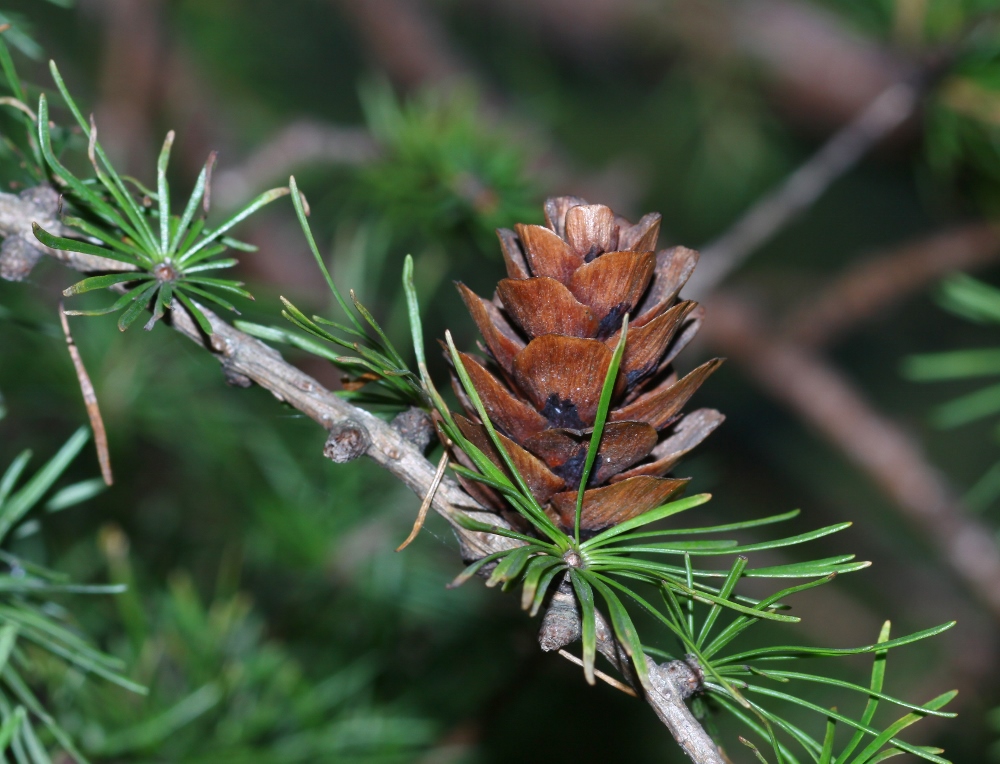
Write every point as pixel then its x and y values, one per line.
pixel 561 622
pixel 347 441
pixel 44 197
pixel 20 251
pixel 235 378
pixel 685 676
pixel 416 426
pixel 17 259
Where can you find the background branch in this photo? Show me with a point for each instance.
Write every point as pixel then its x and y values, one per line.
pixel 827 401
pixel 296 145
pixel 803 187
pixel 881 280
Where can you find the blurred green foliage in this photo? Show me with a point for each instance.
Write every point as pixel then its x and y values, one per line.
pixel 220 691
pixel 444 172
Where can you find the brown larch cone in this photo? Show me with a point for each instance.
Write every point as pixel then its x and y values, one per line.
pixel 550 332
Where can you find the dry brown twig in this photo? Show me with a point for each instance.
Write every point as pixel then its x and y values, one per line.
pixel 89 400
pixel 246 360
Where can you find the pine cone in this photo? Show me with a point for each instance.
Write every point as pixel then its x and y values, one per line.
pixel 550 332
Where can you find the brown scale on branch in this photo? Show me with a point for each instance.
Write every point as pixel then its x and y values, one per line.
pixel 550 333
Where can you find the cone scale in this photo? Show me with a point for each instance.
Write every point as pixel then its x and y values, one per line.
pixel 549 334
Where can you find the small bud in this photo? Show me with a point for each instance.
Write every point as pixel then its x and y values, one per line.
pixel 348 440
pixel 416 426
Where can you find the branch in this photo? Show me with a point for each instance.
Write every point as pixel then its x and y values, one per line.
pixel 818 70
pixel 870 286
pixel 827 400
pixel 21 250
pixel 294 146
pixel 671 683
pixel 406 41
pixel 803 187
pixel 355 432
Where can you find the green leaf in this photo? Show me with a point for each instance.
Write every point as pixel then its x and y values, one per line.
pixel 75 494
pixel 75 245
pixel 717 528
pixel 798 651
pixel 10 73
pixel 11 726
pixel 203 255
pixel 968 408
pixel 8 637
pixel 543 586
pixel 300 212
pixel 30 493
pixel 535 514
pixel 880 739
pixel 204 294
pixel 154 730
pixel 602 414
pixel 471 524
pixel 192 207
pixel 533 576
pixel 893 729
pixel 163 192
pixel 955 364
pixel 727 588
pixel 164 297
pixel 826 755
pixel 813 568
pixel 743 622
pixel 472 569
pixel 118 304
pixel 778 675
pixel 413 310
pixel 139 303
pixel 196 313
pixel 103 282
pixel 214 265
pixel 26 697
pixel 112 181
pixel 384 340
pixel 968 297
pixel 659 513
pixel 716 548
pixel 92 200
pixel 752 723
pixel 264 199
pixel 878 677
pixel 773 720
pixel 226 285
pixel 511 566
pixel 276 334
pixel 752 747
pixel 12 474
pixel 625 631
pixel 588 621
pixel 112 240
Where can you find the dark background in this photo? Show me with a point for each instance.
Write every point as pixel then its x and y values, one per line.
pixel 477 111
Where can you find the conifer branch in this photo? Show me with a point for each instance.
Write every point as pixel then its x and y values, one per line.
pixel 246 360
